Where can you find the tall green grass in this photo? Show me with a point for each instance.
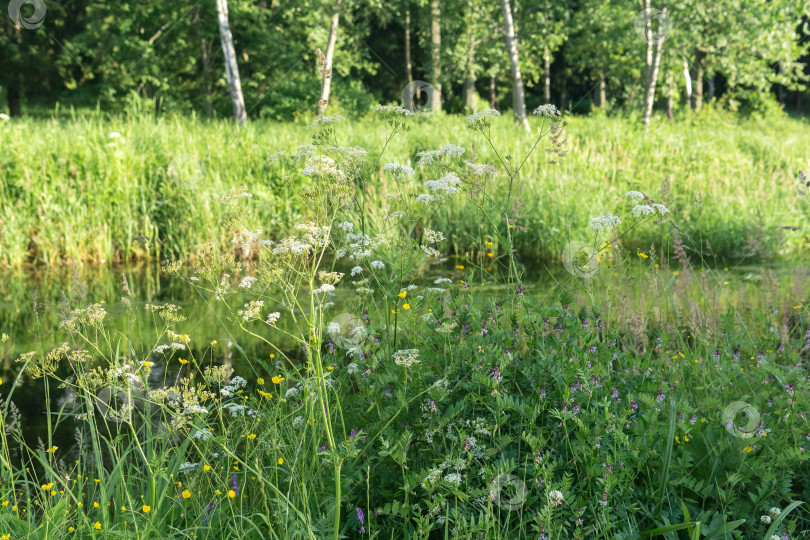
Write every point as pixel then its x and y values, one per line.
pixel 69 190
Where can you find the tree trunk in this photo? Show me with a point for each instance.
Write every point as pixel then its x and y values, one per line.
pixel 601 97
pixel 711 88
pixel 231 68
pixel 492 98
pixel 408 63
pixel 697 80
pixel 688 86
pixel 649 91
pixel 517 80
pixel 206 63
pixel 469 82
pixel 13 96
pixel 671 97
pixel 330 53
pixel 435 54
pixel 547 74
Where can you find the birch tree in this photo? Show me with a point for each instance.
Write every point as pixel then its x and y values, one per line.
pixel 327 68
pixel 655 46
pixel 231 68
pixel 435 54
pixel 517 80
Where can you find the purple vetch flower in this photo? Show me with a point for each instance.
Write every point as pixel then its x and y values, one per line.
pixel 361 519
pixel 235 486
pixel 716 355
pixel 661 396
pixel 207 512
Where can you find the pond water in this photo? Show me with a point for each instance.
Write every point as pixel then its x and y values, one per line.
pixel 31 302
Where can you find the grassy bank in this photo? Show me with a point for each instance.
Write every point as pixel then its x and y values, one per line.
pixel 71 188
pixel 381 394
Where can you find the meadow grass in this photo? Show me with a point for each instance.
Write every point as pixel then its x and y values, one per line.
pixel 70 191
pixel 405 409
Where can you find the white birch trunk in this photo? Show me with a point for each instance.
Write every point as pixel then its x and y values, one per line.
pixel 517 80
pixel 330 53
pixel 652 75
pixel 435 54
pixel 231 68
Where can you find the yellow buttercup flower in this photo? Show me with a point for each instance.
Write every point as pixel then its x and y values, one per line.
pixel 459 267
pixel 264 394
pixel 4 503
pixel 186 494
pixel 403 294
pixel 406 306
pixel 231 494
pixel 183 361
pixel 97 526
pixel 251 436
pixel 96 505
pixel 47 487
pixel 52 449
pixel 260 381
pixel 5 536
pixel 71 529
pixel 280 461
pixel 206 467
pixel 146 509
pixel 277 379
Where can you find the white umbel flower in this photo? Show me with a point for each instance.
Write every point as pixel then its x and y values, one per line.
pixel 604 223
pixel 406 357
pixel 326 120
pixel 547 111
